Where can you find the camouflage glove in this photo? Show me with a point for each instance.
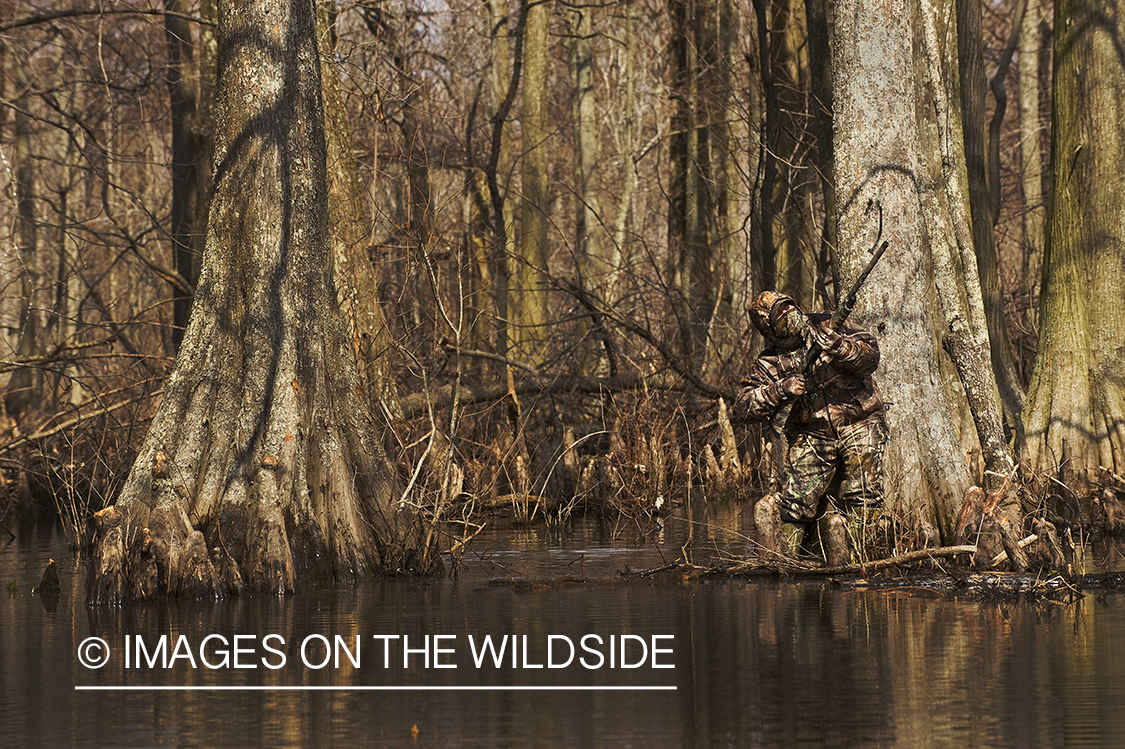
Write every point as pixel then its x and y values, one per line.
pixel 828 339
pixel 792 387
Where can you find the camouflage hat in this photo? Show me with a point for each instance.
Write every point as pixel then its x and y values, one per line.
pixel 768 308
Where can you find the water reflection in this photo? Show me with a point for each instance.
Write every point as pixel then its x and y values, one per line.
pixel 761 663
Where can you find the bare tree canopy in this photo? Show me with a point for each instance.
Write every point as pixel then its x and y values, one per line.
pixel 446 259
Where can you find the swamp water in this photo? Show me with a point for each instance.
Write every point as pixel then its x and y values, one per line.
pixel 656 661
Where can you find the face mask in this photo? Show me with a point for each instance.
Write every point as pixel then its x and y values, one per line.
pixel 790 325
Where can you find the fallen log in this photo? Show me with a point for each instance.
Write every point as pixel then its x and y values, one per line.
pixel 900 560
pixel 953 581
pixel 789 566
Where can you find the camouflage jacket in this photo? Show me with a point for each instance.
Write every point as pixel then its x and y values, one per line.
pixel 841 389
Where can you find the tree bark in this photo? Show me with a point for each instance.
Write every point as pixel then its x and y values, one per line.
pixel 698 261
pixel 261 466
pixel 189 193
pixel 945 200
pixel 971 58
pixel 1076 404
pixel 878 164
pixel 413 125
pixel 795 259
pixel 819 17
pixel 718 189
pixel 23 386
pixel 504 74
pixel 357 281
pixel 590 262
pixel 1031 149
pixel 681 215
pixel 618 257
pixel 528 301
pixel 593 264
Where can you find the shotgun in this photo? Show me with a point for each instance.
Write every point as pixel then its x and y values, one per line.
pixel 811 353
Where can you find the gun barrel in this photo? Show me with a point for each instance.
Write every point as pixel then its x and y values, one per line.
pixel 845 309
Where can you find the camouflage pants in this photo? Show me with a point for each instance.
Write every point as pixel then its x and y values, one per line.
pixel 850 467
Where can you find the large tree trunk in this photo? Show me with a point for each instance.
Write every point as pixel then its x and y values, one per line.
pixel 414 127
pixel 766 162
pixel 589 246
pixel 594 262
pixel 261 465
pixel 953 243
pixel 719 192
pixel 618 256
pixel 792 227
pixel 357 281
pixel 698 266
pixel 1031 149
pixel 23 387
pixel 971 58
pixel 757 264
pixel 818 14
pixel 504 74
pixel 528 301
pixel 681 215
pixel 878 163
pixel 1076 404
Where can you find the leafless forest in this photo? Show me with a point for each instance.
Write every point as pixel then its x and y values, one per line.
pixel 549 219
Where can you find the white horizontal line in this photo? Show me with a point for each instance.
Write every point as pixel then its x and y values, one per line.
pixel 517 688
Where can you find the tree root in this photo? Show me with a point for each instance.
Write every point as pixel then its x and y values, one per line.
pixel 166 557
